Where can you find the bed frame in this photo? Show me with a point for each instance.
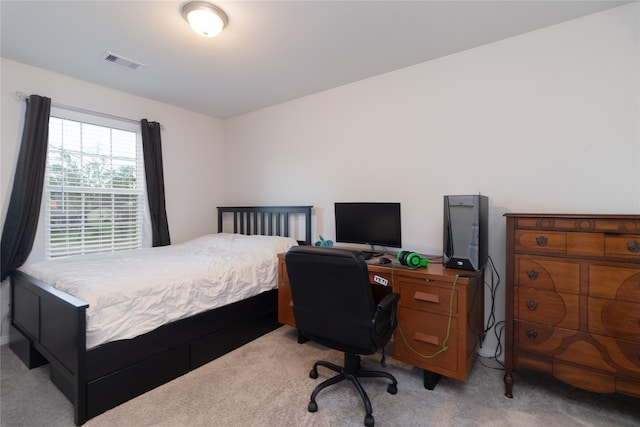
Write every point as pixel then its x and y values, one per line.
pixel 49 326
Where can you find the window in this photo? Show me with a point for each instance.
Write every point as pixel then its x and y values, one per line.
pixel 94 194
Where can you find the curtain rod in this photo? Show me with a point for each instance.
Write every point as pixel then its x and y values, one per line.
pixel 22 96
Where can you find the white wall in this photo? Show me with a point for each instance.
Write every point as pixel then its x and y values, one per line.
pixel 543 122
pixel 192 146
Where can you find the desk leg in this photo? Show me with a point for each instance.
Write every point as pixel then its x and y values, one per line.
pixel 430 379
pixel 301 338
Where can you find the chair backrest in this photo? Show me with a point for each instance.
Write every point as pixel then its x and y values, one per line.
pixel 332 298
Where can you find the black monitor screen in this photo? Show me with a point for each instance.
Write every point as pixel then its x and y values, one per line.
pixel 368 223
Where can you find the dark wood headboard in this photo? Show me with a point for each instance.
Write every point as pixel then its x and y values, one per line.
pixel 266 220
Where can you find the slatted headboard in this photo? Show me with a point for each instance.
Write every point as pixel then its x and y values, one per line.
pixel 266 220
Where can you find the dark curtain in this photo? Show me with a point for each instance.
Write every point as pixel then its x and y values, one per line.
pixel 21 223
pixel 152 148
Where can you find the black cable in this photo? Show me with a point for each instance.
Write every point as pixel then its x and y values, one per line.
pixel 498 327
pixel 493 289
pixel 498 351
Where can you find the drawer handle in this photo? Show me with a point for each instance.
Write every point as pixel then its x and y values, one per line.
pixel 423 296
pixel 429 339
pixel 532 305
pixel 541 241
pixel 532 274
pixel 633 247
pixel 532 334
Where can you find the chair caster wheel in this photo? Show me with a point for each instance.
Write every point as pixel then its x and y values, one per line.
pixel 313 374
pixel 368 421
pixel 392 389
pixel 313 407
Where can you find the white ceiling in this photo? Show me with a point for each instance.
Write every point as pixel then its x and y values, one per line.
pixel 270 52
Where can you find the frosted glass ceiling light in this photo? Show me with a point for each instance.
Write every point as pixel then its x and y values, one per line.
pixel 205 19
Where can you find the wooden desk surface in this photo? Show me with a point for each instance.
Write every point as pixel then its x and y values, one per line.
pixel 434 269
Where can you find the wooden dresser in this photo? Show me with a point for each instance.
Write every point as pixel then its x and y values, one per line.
pixel 438 308
pixel 573 300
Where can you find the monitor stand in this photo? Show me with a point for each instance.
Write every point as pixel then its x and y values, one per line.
pixel 370 254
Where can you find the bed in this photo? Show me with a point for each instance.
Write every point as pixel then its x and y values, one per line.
pixel 50 326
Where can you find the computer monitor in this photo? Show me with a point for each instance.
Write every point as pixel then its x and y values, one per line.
pixel 372 224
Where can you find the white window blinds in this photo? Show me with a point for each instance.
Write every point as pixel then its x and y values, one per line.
pixel 94 190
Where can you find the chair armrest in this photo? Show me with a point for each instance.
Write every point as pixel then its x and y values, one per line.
pixel 385 318
pixel 390 300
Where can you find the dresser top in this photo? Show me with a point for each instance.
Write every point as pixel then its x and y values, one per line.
pixel 576 216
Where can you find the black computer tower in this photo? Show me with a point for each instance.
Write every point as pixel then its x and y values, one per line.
pixel 466 221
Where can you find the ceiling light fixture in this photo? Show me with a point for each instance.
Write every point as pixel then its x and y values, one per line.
pixel 205 19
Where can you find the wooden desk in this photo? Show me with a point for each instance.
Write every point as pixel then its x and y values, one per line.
pixel 439 307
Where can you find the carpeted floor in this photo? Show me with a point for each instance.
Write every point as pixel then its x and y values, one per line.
pixel 266 383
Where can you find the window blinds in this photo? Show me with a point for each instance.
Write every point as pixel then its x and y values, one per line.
pixel 94 190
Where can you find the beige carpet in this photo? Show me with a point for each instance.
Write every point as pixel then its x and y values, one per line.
pixel 266 383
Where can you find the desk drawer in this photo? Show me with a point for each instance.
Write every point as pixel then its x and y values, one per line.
pixel 422 296
pixel 420 336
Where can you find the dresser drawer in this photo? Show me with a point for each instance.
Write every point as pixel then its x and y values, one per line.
pixel 623 246
pixel 601 380
pixel 423 296
pixel 584 377
pixel 545 273
pixel 420 337
pixel 592 351
pixel 542 242
pixel 620 282
pixel 618 319
pixel 585 244
pixel 616 355
pixel 547 307
pixel 539 338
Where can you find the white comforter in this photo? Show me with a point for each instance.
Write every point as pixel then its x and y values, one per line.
pixel 133 292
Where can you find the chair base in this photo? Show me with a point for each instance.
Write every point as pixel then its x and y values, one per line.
pixel 350 371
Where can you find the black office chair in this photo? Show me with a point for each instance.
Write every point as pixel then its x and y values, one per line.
pixel 333 306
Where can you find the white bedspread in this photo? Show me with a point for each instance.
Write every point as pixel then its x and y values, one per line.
pixel 133 292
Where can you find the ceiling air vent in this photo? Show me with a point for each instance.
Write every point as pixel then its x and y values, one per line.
pixel 122 61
